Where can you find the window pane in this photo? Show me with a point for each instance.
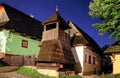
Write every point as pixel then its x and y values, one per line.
pixel 24 43
pixel 89 59
pixel 93 60
pixel 85 58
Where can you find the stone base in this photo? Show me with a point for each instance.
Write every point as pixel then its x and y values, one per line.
pixel 66 73
pixel 86 73
pixel 48 72
pixel 55 73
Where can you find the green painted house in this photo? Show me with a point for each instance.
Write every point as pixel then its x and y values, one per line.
pixel 13 43
pixel 20 34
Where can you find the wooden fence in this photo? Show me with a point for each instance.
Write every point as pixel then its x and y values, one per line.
pixel 19 60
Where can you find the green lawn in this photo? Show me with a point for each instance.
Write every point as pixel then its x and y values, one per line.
pixel 110 76
pixel 34 74
pixel 31 73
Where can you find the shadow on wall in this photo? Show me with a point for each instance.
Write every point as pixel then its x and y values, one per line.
pixel 77 66
pixel 107 66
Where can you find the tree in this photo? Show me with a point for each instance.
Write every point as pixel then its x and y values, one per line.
pixel 109 12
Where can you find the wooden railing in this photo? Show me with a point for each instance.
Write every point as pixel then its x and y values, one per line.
pixel 57 34
pixel 50 34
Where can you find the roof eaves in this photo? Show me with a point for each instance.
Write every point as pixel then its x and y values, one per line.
pixel 89 40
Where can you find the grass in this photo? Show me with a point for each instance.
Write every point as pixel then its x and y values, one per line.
pixel 31 73
pixel 107 76
pixel 111 76
pixel 1 65
pixel 76 76
pixel 34 74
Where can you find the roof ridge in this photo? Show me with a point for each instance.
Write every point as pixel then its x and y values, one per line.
pixel 88 38
pixel 3 4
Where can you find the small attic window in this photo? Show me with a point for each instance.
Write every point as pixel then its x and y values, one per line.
pixel 24 43
pixel 51 26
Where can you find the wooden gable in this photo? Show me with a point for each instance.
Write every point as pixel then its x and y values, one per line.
pixel 114 48
pixel 79 37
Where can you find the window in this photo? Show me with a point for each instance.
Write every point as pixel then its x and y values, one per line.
pixel 85 58
pixel 50 26
pixel 93 60
pixel 24 43
pixel 89 60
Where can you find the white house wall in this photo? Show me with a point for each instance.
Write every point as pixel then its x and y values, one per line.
pixel 3 40
pixel 91 67
pixel 87 68
pixel 78 55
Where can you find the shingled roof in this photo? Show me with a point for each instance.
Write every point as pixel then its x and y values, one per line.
pixel 53 51
pixel 114 48
pixel 81 38
pixel 22 23
pixel 57 18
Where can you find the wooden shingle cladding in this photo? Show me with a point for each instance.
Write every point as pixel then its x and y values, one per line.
pixel 79 37
pixel 53 51
pixel 22 23
pixel 78 40
pixel 114 48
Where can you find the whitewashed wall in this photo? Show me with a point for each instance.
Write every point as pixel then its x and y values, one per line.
pixel 78 55
pixel 3 40
pixel 87 68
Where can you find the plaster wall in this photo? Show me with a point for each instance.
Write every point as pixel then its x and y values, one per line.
pixel 116 63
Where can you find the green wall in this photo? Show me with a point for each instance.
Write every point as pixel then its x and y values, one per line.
pixel 14 45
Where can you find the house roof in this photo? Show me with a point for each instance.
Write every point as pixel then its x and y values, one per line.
pixel 56 18
pixel 114 48
pixel 22 23
pixel 81 38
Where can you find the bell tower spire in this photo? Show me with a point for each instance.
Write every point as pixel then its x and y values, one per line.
pixel 56 8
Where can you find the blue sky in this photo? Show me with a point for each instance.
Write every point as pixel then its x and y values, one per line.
pixel 75 10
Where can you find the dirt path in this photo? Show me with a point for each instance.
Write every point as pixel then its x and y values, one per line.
pixel 12 75
pixel 9 72
pixel 92 76
pixel 8 69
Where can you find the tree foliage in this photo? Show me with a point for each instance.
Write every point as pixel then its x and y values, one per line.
pixel 109 12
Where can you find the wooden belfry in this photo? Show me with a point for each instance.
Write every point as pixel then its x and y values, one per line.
pixel 55 44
